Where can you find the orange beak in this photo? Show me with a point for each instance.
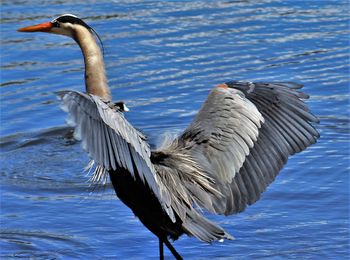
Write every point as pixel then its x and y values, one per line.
pixel 43 27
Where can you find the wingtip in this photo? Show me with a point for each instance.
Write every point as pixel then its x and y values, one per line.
pixel 229 237
pixel 315 119
pixel 226 236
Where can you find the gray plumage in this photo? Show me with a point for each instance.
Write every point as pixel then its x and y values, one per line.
pixel 110 140
pixel 233 149
pixel 272 121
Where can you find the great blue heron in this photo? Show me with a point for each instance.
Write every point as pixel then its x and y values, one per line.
pixel 233 149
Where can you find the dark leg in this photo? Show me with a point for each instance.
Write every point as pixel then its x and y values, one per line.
pixel 172 249
pixel 161 250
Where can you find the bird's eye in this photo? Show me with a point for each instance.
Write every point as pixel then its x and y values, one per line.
pixel 56 24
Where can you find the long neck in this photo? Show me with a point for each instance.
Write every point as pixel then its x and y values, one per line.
pixel 95 75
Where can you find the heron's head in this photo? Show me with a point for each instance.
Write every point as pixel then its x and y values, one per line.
pixel 66 24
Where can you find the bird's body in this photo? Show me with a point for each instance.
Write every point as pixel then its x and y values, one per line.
pixel 139 198
pixel 234 148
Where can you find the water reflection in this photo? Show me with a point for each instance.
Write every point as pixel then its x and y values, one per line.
pixel 162 59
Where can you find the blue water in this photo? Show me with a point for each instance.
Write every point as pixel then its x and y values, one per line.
pixel 162 58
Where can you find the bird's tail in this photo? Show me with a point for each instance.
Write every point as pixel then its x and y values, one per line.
pixel 203 229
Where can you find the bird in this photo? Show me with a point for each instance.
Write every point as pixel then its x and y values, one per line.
pixel 234 148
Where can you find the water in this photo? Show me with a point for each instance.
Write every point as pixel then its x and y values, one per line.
pixel 162 58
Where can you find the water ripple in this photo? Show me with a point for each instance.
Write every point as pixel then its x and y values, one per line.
pixel 162 58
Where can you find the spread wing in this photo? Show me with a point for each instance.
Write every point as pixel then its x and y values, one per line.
pixel 224 130
pixel 110 140
pixel 244 134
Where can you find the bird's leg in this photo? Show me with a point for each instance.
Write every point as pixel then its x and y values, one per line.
pixel 172 249
pixel 161 249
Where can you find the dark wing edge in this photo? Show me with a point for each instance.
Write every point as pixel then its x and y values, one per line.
pixel 286 128
pixel 187 164
pixel 110 140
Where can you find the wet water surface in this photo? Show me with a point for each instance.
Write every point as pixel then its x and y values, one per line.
pixel 162 58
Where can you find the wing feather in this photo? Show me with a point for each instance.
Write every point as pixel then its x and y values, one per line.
pixel 246 131
pixel 110 140
pixel 224 130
